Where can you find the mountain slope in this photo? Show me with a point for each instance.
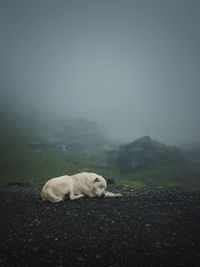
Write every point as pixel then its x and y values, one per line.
pixel 35 147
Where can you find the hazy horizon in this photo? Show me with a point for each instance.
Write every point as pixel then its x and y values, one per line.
pixel 131 66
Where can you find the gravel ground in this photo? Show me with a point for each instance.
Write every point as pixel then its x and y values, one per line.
pixel 147 227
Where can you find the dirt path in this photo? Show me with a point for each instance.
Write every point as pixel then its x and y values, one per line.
pixel 147 227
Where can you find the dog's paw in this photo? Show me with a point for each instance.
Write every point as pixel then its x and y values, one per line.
pixel 119 195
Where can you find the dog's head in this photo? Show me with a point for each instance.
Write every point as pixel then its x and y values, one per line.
pixel 99 186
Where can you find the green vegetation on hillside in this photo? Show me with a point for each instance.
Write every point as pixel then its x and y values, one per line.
pixel 162 175
pixel 34 152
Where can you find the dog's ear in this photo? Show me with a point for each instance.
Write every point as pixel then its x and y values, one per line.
pixel 96 180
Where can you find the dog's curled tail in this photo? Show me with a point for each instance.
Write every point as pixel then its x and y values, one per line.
pixel 48 194
pixel 43 195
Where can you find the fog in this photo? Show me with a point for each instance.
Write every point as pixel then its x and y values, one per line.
pixel 131 66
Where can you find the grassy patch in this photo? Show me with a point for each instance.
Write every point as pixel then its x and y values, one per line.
pixel 162 175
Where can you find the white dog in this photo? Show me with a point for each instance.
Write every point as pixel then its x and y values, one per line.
pixel 76 186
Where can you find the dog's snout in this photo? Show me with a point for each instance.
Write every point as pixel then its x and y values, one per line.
pixel 102 195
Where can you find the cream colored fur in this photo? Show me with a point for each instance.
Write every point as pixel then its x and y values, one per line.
pixel 76 186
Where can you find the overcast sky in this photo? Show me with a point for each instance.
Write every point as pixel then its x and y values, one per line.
pixel 132 66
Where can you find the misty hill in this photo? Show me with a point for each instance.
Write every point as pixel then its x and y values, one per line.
pixel 146 153
pixel 35 146
pixel 50 128
pixel 146 162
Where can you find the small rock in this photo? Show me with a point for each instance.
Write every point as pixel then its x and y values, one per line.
pixel 80 259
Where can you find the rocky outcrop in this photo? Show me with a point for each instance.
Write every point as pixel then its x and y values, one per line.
pixel 145 153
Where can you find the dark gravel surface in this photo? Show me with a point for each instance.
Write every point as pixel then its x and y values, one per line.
pixel 147 227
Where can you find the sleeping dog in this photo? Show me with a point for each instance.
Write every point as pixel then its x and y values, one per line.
pixel 76 186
